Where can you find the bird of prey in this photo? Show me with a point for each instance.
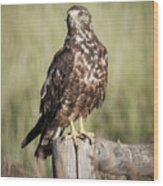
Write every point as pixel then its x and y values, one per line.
pixel 75 84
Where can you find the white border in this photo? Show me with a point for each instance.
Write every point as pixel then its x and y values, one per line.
pixel 42 182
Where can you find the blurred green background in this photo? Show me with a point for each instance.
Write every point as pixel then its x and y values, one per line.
pixel 31 34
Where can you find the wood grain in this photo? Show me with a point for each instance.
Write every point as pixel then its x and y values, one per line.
pixel 102 159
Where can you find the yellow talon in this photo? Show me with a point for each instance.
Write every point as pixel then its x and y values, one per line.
pixel 89 135
pixel 73 134
pixel 82 134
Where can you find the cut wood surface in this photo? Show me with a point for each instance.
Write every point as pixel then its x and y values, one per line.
pixel 103 159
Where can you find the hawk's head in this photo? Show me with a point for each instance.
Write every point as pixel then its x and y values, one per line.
pixel 78 17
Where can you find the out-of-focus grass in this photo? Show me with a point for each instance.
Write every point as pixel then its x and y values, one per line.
pixel 31 34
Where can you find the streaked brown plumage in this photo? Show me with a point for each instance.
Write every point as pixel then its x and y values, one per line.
pixel 76 80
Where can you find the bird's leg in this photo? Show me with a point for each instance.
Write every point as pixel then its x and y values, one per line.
pixel 89 135
pixel 82 130
pixel 73 134
pixel 73 130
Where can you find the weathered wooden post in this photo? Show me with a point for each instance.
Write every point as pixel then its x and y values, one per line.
pixel 102 159
pixel 72 160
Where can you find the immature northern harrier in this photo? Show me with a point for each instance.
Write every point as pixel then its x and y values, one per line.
pixel 75 84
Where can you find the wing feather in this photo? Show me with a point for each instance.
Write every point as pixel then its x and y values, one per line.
pixel 56 82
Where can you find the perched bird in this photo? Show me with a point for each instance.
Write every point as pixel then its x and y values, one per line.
pixel 75 84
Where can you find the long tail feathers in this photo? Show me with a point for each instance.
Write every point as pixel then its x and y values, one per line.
pixel 33 133
pixel 44 148
pixel 47 134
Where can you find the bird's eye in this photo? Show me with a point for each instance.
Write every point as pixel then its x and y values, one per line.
pixel 80 14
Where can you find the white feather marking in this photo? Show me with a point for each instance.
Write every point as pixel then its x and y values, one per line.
pixel 77 56
pixel 78 39
pixel 86 64
pixel 45 87
pixel 67 101
pixel 89 34
pixel 103 62
pixel 91 44
pixel 44 93
pixel 95 57
pixel 57 133
pixel 92 78
pixel 95 52
pixel 58 72
pixel 64 106
pixel 85 49
pixel 106 56
pixel 73 13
